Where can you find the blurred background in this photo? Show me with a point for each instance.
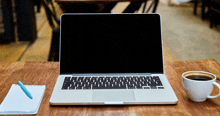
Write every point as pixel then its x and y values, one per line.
pixel 190 29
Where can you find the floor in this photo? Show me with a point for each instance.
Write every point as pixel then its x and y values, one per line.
pixel 185 36
pixel 24 51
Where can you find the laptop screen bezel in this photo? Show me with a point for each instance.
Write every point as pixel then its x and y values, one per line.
pixel 60 73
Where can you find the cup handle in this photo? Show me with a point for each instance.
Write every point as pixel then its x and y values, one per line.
pixel 218 93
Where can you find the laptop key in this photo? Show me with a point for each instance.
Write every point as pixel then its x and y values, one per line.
pixel 87 87
pixel 131 87
pixel 143 78
pixel 80 79
pixel 121 85
pixel 67 79
pixel 88 79
pixel 88 84
pixel 95 78
pixel 115 79
pixel 73 79
pixel 108 84
pixel 126 79
pixel 95 86
pixel 65 87
pixel 80 87
pixel 122 78
pixel 158 81
pixel 77 83
pixel 151 83
pixel 72 87
pixel 112 85
pixel 136 78
pixel 160 87
pixel 130 84
pixel 103 79
pixel 147 78
pixel 119 80
pixel 153 87
pixel 66 83
pixel 100 79
pixel 139 86
pixel 74 83
pixel 129 78
pixel 146 87
pixel 108 79
pixel 84 84
pixel 102 84
pixel 145 83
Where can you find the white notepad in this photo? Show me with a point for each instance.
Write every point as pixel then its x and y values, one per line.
pixel 17 102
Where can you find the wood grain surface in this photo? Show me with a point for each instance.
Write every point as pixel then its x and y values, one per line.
pixel 45 73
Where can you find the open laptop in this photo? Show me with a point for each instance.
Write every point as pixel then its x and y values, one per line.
pixel 109 59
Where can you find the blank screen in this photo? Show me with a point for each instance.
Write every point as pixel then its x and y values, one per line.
pixel 111 43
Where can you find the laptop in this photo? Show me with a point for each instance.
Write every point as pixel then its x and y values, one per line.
pixel 111 59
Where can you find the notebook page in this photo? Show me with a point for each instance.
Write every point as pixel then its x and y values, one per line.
pixel 17 102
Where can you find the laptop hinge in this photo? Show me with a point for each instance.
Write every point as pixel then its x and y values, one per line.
pixel 116 102
pixel 147 73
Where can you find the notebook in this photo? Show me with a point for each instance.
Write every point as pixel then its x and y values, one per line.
pixel 111 59
pixel 17 102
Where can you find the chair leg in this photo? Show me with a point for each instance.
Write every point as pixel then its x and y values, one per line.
pixel 8 19
pixel 132 7
pixel 195 7
pixel 211 18
pixel 155 5
pixel 150 7
pixel 145 4
pixel 211 24
pixel 108 7
pixel 204 3
pixel 54 49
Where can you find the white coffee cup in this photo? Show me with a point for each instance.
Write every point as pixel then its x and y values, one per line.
pixel 199 89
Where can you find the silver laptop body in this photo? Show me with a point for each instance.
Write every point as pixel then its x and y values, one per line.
pixel 111 59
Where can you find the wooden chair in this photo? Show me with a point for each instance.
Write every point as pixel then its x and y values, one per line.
pixel 51 15
pixel 133 6
pixel 205 3
pixel 155 3
pixel 215 13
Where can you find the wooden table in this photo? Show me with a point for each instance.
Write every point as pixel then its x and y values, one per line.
pixel 45 73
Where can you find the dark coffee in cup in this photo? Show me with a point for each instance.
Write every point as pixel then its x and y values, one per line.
pixel 199 77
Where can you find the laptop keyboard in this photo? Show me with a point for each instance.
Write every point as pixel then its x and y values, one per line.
pixel 115 82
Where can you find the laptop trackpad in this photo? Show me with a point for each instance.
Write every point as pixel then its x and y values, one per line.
pixel 113 95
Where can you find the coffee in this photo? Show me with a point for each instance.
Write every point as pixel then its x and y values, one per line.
pixel 199 77
pixel 199 84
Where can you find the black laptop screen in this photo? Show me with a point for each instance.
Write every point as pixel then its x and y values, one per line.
pixel 111 43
